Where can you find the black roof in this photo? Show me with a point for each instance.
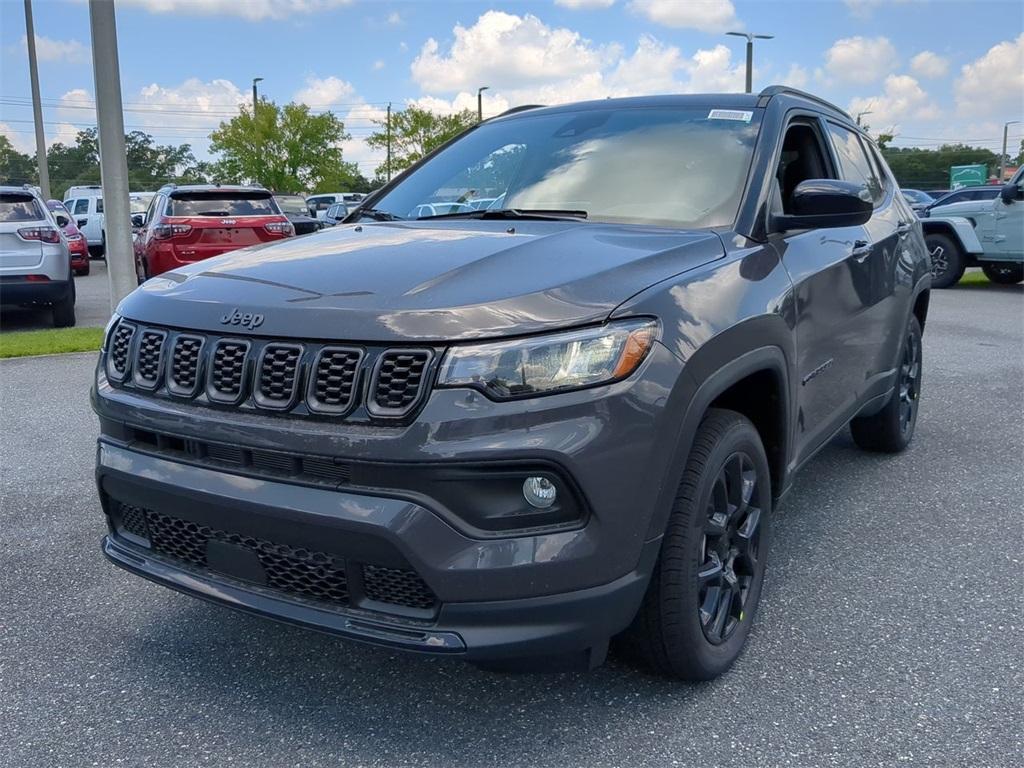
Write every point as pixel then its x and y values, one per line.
pixel 718 100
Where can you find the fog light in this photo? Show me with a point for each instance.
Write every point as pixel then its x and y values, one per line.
pixel 539 492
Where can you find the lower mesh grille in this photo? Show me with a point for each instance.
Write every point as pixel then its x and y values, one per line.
pixel 297 571
pixel 396 585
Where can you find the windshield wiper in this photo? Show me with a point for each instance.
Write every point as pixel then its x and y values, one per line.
pixel 538 214
pixel 377 215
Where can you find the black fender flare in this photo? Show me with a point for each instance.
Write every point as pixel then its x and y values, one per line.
pixel 706 387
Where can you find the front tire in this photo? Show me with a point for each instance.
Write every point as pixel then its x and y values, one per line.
pixel 947 260
pixel 1003 274
pixel 704 592
pixel 892 428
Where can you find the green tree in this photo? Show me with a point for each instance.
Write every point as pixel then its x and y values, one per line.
pixel 15 167
pixel 150 165
pixel 287 149
pixel 415 133
pixel 923 168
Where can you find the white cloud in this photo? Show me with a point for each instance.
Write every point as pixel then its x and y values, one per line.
pixel 902 100
pixel 320 93
pixel 705 15
pixel 796 77
pixel 394 18
pixel 253 10
pixel 505 50
pixel 48 49
pixel 993 85
pixel 861 59
pixel 863 9
pixel 378 65
pixel 652 67
pixel 928 64
pixel 22 141
pixel 577 5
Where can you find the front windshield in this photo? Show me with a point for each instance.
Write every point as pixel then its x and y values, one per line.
pixel 139 203
pixel 645 165
pixel 293 204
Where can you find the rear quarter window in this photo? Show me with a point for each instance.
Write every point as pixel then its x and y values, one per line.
pixel 19 208
pixel 221 204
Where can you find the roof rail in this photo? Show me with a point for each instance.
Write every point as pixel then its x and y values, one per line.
pixel 520 108
pixel 775 90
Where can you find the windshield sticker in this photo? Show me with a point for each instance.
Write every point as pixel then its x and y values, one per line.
pixel 730 114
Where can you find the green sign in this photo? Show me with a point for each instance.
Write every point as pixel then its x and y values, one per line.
pixel 967 175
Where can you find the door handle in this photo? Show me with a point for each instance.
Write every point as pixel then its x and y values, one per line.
pixel 861 250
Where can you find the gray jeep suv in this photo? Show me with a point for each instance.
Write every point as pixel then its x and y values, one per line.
pixel 561 412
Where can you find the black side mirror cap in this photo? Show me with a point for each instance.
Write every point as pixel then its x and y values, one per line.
pixel 138 220
pixel 825 203
pixel 1010 193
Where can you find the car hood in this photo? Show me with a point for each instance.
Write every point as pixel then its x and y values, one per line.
pixel 423 281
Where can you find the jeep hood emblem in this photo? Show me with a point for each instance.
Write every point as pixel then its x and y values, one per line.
pixel 250 320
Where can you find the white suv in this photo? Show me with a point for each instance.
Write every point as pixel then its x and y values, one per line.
pixel 85 204
pixel 35 263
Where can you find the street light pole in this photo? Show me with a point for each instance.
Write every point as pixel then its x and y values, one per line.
pixel 1002 158
pixel 480 102
pixel 750 54
pixel 255 95
pixel 37 108
pixel 388 164
pixel 117 220
pixel 861 114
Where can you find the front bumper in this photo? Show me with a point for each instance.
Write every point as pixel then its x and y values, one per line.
pixel 499 595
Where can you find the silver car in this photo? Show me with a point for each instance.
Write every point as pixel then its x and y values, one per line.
pixel 35 263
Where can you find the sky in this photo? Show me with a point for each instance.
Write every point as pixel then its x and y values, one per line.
pixel 930 71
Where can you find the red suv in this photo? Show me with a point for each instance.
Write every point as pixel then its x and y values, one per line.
pixel 77 245
pixel 189 223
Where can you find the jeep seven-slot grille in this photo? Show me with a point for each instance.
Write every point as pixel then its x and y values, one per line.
pixel 278 375
pixel 307 379
pixel 227 370
pixel 295 571
pixel 120 346
pixel 184 373
pixel 399 379
pixel 148 358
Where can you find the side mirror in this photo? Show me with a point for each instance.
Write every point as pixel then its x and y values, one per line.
pixel 138 220
pixel 62 220
pixel 824 203
pixel 1010 193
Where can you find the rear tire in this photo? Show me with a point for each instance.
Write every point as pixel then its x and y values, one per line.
pixel 703 595
pixel 1003 274
pixel 892 428
pixel 947 260
pixel 64 310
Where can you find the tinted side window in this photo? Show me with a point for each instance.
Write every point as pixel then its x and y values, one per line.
pixel 99 205
pixel 81 206
pixel 854 163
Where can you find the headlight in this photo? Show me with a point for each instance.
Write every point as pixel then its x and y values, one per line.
pixel 552 363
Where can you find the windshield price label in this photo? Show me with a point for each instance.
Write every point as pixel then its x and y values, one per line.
pixel 730 114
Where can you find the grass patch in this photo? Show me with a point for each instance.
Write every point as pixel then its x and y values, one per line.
pixel 974 278
pixel 50 342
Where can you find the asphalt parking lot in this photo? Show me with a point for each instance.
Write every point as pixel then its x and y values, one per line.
pixel 889 632
pixel 92 304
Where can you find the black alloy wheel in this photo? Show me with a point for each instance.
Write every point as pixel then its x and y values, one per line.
pixel 729 548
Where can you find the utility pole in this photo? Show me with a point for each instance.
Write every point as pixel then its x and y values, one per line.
pixel 37 107
pixel 255 126
pixel 388 163
pixel 1002 158
pixel 117 219
pixel 750 54
pixel 480 102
